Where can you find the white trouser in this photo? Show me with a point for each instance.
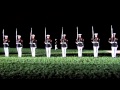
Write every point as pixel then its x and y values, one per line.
pixel 56 47
pixel 114 50
pixel 95 51
pixel 33 51
pixel 19 50
pixel 48 51
pixel 6 50
pixel 80 51
pixel 64 51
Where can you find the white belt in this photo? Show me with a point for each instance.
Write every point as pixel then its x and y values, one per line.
pixel 113 42
pixel 63 43
pixel 79 42
pixel 32 43
pixel 5 43
pixel 47 43
pixel 95 42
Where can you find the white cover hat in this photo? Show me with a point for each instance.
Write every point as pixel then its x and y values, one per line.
pixel 96 34
pixel 114 33
pixel 33 34
pixel 47 35
pixel 79 34
pixel 64 35
pixel 6 36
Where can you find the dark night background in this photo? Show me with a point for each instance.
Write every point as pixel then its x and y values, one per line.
pixel 53 17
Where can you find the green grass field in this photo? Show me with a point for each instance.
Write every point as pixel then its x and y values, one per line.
pixel 71 67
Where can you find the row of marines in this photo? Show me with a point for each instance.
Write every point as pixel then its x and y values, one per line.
pixel 63 41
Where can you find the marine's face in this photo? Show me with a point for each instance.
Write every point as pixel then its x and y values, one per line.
pixel 112 35
pixel 48 37
pixel 33 37
pixel 64 36
pixel 6 37
pixel 95 35
pixel 79 36
pixel 19 37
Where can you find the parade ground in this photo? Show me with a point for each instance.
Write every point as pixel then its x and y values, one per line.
pixel 71 67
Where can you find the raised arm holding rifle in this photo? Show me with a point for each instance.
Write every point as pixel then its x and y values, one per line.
pixel 48 44
pixel 6 44
pixel 95 40
pixel 63 42
pixel 19 44
pixel 33 44
pixel 113 41
pixel 79 42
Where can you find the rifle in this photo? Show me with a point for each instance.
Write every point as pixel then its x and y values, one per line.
pixel 77 32
pixel 30 35
pixel 92 33
pixel 112 33
pixel 62 34
pixel 16 35
pixel 3 35
pixel 46 41
pixel 111 30
pixel 31 38
pixel 45 34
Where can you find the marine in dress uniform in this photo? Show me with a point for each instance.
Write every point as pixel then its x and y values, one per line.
pixel 33 45
pixel 56 44
pixel 6 45
pixel 95 42
pixel 63 43
pixel 80 45
pixel 48 45
pixel 19 45
pixel 113 41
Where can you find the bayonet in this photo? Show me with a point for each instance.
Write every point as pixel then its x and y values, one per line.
pixel 92 33
pixel 45 34
pixel 3 35
pixel 77 32
pixel 62 34
pixel 16 35
pixel 111 30
pixel 30 35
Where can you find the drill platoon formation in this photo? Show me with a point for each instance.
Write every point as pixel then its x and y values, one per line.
pixel 63 41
